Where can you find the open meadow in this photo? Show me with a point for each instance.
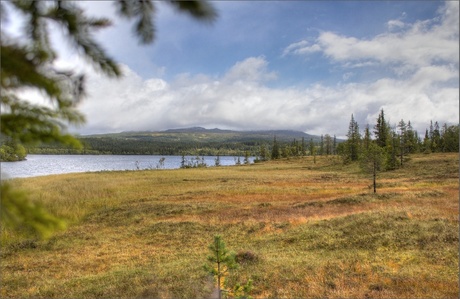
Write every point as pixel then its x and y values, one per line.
pixel 300 229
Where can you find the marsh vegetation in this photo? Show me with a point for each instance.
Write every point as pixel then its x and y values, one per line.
pixel 300 230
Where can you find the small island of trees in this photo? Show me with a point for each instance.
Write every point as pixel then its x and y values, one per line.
pixel 11 151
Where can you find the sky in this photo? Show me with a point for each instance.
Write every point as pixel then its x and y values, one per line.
pixel 264 65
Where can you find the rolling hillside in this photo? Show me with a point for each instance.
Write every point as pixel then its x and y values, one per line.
pixel 189 141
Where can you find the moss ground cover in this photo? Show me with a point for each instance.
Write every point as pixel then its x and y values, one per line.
pixel 310 229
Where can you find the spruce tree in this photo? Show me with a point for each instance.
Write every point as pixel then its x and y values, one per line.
pixel 334 146
pixel 411 139
pixel 403 141
pixel 276 153
pixel 431 130
pixel 312 148
pixel 392 150
pixel 367 138
pixel 354 138
pixel 321 146
pixel 426 143
pixel 303 149
pixel 328 144
pixel 435 138
pixel 382 130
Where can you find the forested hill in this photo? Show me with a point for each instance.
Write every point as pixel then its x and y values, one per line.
pixel 188 141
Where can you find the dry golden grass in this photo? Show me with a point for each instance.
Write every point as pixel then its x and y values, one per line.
pixel 316 229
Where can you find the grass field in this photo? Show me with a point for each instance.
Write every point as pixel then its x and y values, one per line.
pixel 310 229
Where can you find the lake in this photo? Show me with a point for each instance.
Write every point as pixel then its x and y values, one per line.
pixel 38 165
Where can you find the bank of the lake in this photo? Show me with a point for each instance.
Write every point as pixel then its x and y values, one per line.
pixel 39 165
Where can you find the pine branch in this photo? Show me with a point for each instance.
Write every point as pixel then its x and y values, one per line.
pixel 19 213
pixel 21 68
pixel 29 123
pixel 79 29
pixel 143 11
pixel 200 10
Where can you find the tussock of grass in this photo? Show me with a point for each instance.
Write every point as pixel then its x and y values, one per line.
pixel 300 230
pixel 370 231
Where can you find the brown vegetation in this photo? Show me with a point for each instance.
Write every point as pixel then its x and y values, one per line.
pixel 303 229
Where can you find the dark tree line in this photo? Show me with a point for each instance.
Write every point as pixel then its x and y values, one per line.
pixel 386 147
pixel 326 146
pixel 120 146
pixel 259 146
pixel 394 143
pixel 398 141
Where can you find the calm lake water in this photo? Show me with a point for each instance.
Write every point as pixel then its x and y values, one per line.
pixel 38 165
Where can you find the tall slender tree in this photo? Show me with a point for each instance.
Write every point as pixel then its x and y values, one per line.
pixel 435 138
pixel 276 153
pixel 353 142
pixel 403 140
pixel 382 130
pixel 334 146
pixel 321 145
pixel 328 144
pixel 303 148
pixel 411 139
pixel 392 150
pixel 426 142
pixel 367 138
pixel 312 149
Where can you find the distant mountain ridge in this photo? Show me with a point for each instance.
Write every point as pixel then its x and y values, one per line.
pixel 281 134
pixel 197 129
pixel 189 141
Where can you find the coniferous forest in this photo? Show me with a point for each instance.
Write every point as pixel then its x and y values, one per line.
pixel 394 141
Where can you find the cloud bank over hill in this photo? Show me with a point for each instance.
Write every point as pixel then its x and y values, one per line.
pixel 410 69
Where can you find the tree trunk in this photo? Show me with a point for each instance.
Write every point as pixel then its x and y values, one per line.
pixel 218 280
pixel 375 174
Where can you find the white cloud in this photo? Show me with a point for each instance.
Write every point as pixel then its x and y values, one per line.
pixel 421 44
pixel 301 48
pixel 252 69
pixel 240 100
pixel 395 24
pixel 425 77
pixel 423 55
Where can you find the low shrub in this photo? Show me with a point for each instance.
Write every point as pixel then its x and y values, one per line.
pixel 246 257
